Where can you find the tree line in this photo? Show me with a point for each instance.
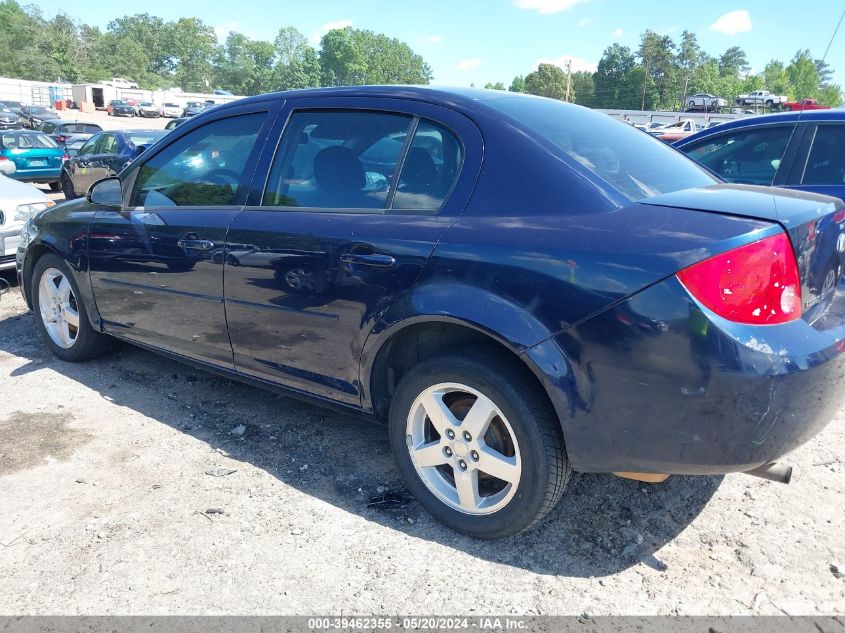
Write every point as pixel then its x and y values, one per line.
pixel 156 53
pixel 661 73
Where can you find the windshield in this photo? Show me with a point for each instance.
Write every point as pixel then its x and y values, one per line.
pixel 635 163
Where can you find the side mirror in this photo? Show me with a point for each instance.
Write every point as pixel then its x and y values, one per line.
pixel 106 193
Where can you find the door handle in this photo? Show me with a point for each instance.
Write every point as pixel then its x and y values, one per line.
pixel 371 259
pixel 198 245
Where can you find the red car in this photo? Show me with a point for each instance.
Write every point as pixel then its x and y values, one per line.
pixel 804 104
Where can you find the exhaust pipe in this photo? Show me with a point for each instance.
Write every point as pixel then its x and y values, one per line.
pixel 773 472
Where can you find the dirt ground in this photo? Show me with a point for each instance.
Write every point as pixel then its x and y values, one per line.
pixel 107 507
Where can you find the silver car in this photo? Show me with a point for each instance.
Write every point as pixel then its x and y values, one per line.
pixel 706 102
pixel 18 202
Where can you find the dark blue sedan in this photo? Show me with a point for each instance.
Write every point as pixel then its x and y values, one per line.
pixel 519 287
pixel 103 155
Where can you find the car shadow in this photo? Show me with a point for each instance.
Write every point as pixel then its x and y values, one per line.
pixel 602 525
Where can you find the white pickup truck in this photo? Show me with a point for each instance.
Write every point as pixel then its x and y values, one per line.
pixel 762 98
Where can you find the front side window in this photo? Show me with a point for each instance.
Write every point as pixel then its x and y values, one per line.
pixel 745 156
pixel 430 168
pixel 204 167
pixel 826 163
pixel 337 160
pixel 108 145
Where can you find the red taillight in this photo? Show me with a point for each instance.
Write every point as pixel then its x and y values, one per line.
pixel 4 158
pixel 839 217
pixel 65 157
pixel 757 284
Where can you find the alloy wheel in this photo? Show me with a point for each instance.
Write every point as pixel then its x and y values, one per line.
pixel 58 307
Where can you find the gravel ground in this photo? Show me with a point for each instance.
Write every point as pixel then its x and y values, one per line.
pixel 107 507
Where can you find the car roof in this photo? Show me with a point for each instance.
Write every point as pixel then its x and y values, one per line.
pixel 766 119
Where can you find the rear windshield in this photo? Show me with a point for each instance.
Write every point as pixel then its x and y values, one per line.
pixel 27 141
pixel 82 128
pixel 636 164
pixel 146 138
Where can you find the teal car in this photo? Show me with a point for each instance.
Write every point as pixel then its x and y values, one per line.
pixel 37 157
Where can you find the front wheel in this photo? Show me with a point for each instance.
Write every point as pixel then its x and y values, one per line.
pixel 60 315
pixel 477 443
pixel 67 186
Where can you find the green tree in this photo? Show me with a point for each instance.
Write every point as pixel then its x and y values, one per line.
pixel 297 64
pixel 613 79
pixel 687 59
pixel 656 53
pixel 547 81
pixel 355 57
pixel 831 95
pixel 776 78
pixel 518 84
pixel 803 76
pixel 733 62
pixel 156 37
pixel 194 45
pixel 582 90
pixel 495 86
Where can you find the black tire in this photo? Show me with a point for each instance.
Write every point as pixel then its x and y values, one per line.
pixel 55 186
pixel 545 469
pixel 67 186
pixel 88 342
pixel 769 103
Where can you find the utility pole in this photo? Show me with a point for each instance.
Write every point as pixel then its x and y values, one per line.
pixel 568 77
pixel 645 82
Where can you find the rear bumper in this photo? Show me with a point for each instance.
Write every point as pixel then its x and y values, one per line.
pixel 657 385
pixel 37 175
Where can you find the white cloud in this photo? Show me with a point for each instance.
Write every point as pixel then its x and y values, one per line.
pixel 578 63
pixel 315 37
pixel 584 23
pixel 733 23
pixel 547 6
pixel 618 33
pixel 433 39
pixel 468 64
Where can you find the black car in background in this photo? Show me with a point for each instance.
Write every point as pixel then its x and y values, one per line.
pixel 14 106
pixel 32 116
pixel 105 154
pixel 118 107
pixel 8 119
pixel 69 132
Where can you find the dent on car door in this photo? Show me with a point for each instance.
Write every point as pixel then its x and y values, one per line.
pixel 355 202
pixel 155 265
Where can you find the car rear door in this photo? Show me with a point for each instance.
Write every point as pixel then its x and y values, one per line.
pixel 339 223
pixel 157 264
pixel 820 165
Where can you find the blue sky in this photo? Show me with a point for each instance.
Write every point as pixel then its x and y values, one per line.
pixel 476 41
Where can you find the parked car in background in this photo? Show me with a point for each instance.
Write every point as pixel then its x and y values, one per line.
pixel 706 102
pixel 761 98
pixel 803 104
pixel 220 91
pixel 117 107
pixel 590 300
pixel 8 119
pixel 120 82
pixel 173 124
pixel 103 155
pixel 192 108
pixel 170 109
pixel 14 106
pixel 18 203
pixel 66 132
pixel 796 150
pixel 147 109
pixel 674 131
pixel 37 157
pixel 32 116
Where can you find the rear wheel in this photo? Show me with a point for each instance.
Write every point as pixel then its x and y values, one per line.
pixel 60 314
pixel 478 443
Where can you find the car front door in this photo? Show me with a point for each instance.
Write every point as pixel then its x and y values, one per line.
pixel 156 264
pixel 356 199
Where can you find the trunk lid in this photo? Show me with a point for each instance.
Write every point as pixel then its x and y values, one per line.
pixel 815 224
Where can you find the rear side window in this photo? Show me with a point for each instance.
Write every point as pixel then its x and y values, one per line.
pixel 430 168
pixel 203 168
pixel 107 145
pixel 337 160
pixel 634 163
pixel 745 156
pixel 826 162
